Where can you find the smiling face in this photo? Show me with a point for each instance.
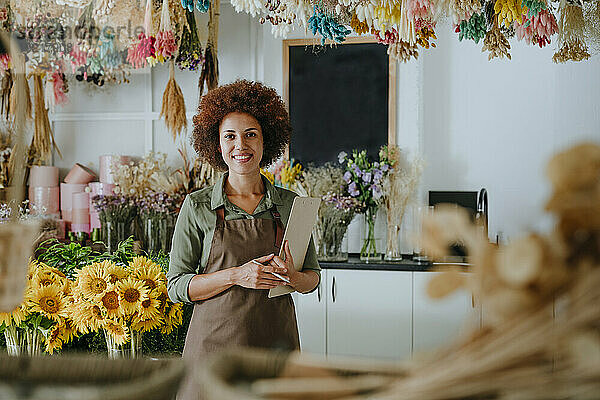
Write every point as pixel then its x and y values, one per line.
pixel 241 143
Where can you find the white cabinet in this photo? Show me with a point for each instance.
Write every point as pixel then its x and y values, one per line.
pixel 311 315
pixel 369 313
pixel 438 322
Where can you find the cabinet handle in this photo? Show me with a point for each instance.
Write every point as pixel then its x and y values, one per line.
pixel 319 292
pixel 333 290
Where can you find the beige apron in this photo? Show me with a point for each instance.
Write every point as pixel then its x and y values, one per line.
pixel 239 316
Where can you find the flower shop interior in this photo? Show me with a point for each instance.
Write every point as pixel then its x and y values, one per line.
pixel 491 106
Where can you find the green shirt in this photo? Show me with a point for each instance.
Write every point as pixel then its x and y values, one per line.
pixel 195 228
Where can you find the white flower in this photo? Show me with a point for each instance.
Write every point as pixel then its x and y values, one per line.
pixel 342 156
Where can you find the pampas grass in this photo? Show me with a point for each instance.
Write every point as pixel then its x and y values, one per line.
pixel 399 187
pixel 43 137
pixel 173 105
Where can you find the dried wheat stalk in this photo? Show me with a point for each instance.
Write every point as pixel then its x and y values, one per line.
pixel 43 137
pixel 173 105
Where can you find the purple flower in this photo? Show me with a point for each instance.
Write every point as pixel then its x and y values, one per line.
pixel 385 167
pixel 366 177
pixel 347 176
pixel 352 189
pixel 376 191
pixel 356 170
pixel 377 175
pixel 342 156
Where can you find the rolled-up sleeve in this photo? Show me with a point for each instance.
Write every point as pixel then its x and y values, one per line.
pixel 186 250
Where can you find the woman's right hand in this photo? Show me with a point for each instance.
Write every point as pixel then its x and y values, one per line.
pixel 255 275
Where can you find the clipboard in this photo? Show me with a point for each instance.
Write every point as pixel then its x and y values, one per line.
pixel 299 227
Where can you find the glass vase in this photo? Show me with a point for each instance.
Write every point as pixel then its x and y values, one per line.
pixel 131 349
pixel 158 232
pixel 368 252
pixel 332 245
pixel 33 342
pixel 15 341
pixel 114 232
pixel 393 252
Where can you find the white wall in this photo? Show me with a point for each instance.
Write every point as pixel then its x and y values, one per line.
pixel 476 123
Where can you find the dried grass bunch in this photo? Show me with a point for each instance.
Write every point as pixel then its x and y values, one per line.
pixel 591 15
pixel 173 105
pixel 496 43
pixel 571 35
pixel 399 187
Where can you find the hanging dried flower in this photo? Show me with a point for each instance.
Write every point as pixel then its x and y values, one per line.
pixel 190 49
pixel 43 137
pixel 326 26
pixel 463 9
pixel 508 11
pixel 424 35
pixel 419 8
pixel 496 43
pixel 357 26
pixel 537 29
pixel 571 35
pixel 591 14
pixel 473 29
pixel 173 105
pixel 403 51
pixel 165 46
pixel 389 37
pixel 252 7
pixel 571 50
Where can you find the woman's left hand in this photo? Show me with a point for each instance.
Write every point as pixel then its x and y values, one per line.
pixel 293 275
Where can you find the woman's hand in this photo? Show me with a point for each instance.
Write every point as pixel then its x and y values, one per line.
pixel 255 275
pixel 302 282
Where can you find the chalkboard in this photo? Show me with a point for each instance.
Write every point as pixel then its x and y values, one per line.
pixel 338 100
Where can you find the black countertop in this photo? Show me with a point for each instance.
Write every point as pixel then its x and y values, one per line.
pixel 404 265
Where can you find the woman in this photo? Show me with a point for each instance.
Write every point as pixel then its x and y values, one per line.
pixel 227 237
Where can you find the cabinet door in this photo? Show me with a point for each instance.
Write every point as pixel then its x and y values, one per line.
pixel 438 322
pixel 369 313
pixel 310 313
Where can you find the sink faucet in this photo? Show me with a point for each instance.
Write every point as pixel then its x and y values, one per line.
pixel 482 210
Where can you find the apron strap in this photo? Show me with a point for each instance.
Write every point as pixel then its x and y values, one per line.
pixel 278 227
pixel 220 214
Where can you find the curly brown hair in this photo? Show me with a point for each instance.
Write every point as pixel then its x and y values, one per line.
pixel 253 98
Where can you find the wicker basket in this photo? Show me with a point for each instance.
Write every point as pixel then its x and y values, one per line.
pixel 247 374
pixel 89 378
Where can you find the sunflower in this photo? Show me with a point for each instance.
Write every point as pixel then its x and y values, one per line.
pixel 149 308
pixel 163 297
pixel 87 317
pixel 145 326
pixel 147 271
pixel 93 279
pixel 132 292
pixel 54 340
pixel 110 303
pixel 48 301
pixel 115 272
pixel 117 331
pixel 173 318
pixel 13 318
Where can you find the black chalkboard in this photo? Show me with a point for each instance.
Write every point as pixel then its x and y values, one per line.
pixel 338 100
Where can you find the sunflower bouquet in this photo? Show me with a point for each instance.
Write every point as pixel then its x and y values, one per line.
pixel 124 302
pixel 44 318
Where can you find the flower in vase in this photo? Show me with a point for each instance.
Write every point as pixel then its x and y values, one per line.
pixel 148 272
pixel 377 175
pixel 132 292
pixel 377 193
pixel 110 304
pixel 353 189
pixel 342 157
pixel 149 309
pixel 366 177
pixel 115 272
pixel 173 318
pixel 15 317
pixel 348 176
pixel 54 340
pixel 94 279
pixel 48 301
pixel 87 317
pixel 117 330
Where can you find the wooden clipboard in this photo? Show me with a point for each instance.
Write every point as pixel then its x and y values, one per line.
pixel 297 232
